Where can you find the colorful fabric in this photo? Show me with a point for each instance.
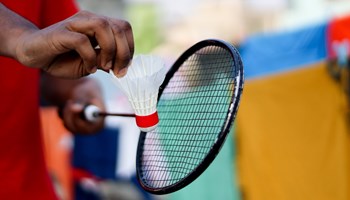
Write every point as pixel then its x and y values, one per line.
pixel 293 137
pixel 97 153
pixel 279 52
pixel 338 32
pixel 97 157
pixel 292 125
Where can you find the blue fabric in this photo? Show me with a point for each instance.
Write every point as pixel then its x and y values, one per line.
pixel 279 52
pixel 81 194
pixel 97 153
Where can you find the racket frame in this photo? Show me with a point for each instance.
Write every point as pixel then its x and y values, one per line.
pixel 230 116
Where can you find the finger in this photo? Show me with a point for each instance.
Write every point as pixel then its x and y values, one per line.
pixel 128 34
pixel 75 123
pixel 98 53
pixel 123 54
pixel 81 44
pixel 72 118
pixel 99 28
pixel 68 118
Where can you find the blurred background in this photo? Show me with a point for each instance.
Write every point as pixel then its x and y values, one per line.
pixel 291 136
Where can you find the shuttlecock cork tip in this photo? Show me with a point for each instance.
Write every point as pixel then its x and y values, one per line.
pixel 148 122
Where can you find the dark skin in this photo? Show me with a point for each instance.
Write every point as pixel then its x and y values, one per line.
pixel 71 96
pixel 68 49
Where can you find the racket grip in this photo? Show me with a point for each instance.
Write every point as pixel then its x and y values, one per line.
pixel 91 113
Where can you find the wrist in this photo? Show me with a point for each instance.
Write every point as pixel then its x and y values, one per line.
pixel 20 52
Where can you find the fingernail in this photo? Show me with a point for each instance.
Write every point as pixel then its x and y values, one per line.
pixel 108 66
pixel 122 72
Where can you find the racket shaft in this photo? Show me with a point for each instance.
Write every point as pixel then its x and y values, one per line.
pixel 104 114
pixel 92 113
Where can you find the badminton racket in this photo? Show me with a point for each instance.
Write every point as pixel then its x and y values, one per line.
pixel 197 105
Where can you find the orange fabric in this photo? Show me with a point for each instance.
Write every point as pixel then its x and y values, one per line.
pixel 293 137
pixel 57 148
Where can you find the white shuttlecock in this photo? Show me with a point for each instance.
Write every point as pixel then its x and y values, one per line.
pixel 141 84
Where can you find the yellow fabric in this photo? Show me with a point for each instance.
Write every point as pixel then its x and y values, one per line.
pixel 293 137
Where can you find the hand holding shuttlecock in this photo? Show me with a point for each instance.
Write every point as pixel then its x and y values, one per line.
pixel 141 84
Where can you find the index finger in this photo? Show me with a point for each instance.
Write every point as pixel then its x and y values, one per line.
pixel 98 28
pixel 128 34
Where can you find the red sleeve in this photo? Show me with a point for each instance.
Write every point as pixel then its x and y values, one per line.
pixel 56 10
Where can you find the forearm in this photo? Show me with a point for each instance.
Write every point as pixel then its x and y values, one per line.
pixel 12 27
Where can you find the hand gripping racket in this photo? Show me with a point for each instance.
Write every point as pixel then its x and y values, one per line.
pixel 197 105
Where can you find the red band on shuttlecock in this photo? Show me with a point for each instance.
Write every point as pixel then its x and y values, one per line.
pixel 147 121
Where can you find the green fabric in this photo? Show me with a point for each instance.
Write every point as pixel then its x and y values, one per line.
pixel 217 182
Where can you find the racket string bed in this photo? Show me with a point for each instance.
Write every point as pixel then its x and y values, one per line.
pixel 193 110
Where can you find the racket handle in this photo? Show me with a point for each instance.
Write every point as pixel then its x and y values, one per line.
pixel 91 113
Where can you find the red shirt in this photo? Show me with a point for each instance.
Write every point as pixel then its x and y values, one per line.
pixel 23 174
